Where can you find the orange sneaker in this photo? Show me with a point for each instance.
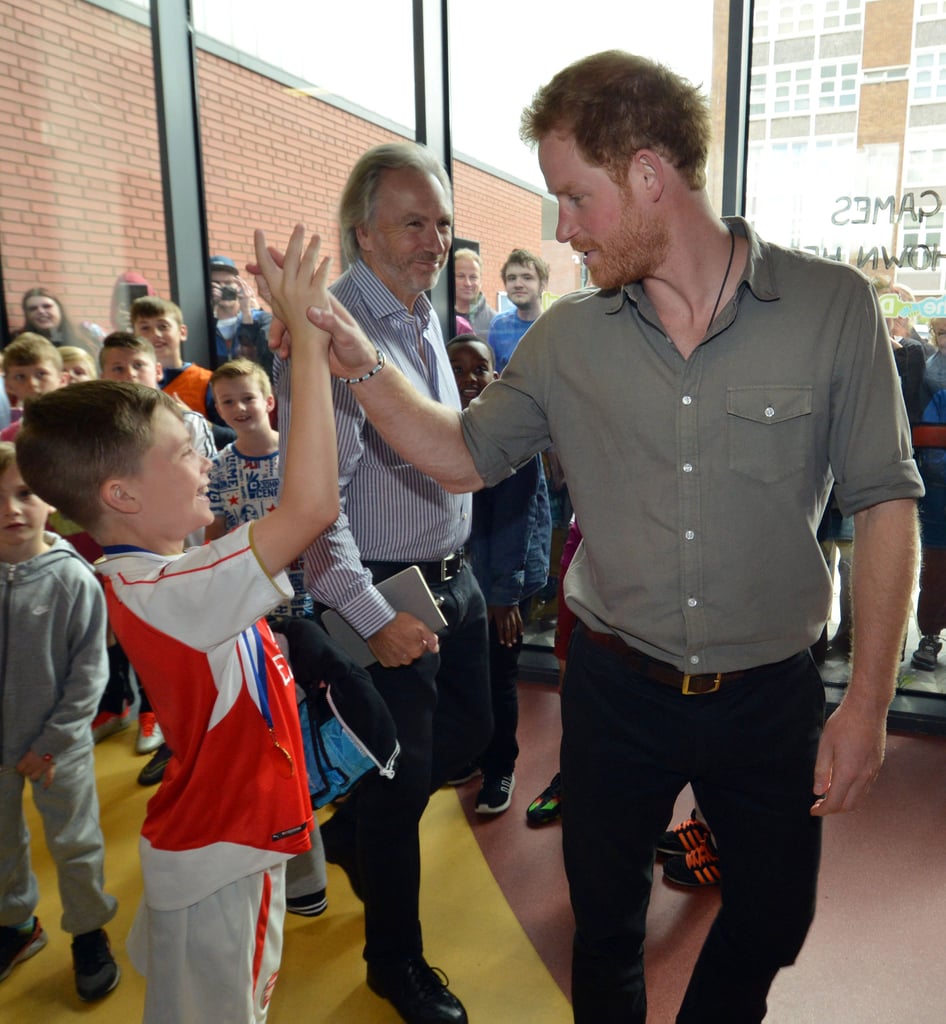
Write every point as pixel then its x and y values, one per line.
pixel 695 869
pixel 683 838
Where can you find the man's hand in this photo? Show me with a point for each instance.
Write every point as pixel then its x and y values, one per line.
pixel 292 280
pixel 508 623
pixel 351 353
pixel 279 340
pixel 37 769
pixel 247 297
pixel 850 754
pixel 403 640
pixel 852 746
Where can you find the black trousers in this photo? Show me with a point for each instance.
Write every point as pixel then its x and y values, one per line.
pixel 629 746
pixel 441 706
pixel 499 758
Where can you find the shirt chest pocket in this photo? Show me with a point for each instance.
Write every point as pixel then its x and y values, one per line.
pixel 770 431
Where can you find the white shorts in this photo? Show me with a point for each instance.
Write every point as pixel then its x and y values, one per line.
pixel 215 960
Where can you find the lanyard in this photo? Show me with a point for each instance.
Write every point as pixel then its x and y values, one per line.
pixel 285 766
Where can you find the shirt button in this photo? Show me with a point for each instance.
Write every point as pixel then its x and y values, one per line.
pixel 687 399
pixel 769 411
pixel 692 602
pixel 694 659
pixel 689 535
pixel 687 467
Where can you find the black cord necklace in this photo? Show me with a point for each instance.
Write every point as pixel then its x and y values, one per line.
pixel 732 253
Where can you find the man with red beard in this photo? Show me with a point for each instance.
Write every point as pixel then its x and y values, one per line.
pixel 702 401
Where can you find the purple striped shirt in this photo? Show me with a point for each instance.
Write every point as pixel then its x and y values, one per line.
pixel 390 511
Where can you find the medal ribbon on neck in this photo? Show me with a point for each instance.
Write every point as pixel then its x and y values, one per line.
pixel 285 766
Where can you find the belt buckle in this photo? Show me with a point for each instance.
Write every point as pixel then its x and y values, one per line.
pixel 717 681
pixel 450 566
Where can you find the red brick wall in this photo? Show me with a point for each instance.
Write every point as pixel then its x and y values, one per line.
pixel 80 184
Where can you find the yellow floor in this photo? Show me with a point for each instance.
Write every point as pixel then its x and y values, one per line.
pixel 469 929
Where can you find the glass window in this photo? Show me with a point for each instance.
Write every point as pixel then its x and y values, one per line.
pixel 864 180
pixel 929 76
pixel 286 109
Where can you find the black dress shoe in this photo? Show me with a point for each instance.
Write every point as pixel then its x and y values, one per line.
pixel 338 840
pixel 418 992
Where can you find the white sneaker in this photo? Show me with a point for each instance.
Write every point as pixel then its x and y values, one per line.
pixel 150 736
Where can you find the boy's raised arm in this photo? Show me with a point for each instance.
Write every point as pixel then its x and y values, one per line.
pixel 309 500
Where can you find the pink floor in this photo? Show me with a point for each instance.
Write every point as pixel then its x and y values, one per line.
pixel 875 951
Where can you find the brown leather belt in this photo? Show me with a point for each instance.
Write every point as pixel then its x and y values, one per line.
pixel 660 671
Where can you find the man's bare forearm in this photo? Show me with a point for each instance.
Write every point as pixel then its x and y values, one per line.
pixel 885 557
pixel 423 431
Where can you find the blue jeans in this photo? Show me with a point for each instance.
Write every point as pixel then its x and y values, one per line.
pixel 629 746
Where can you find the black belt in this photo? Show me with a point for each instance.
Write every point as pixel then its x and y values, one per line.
pixel 660 671
pixel 434 573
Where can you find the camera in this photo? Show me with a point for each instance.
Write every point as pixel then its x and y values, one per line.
pixel 228 293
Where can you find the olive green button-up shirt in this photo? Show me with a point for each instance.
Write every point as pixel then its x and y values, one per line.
pixel 699 483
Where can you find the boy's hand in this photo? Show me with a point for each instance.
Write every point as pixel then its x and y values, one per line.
pixel 37 769
pixel 508 620
pixel 293 282
pixel 352 354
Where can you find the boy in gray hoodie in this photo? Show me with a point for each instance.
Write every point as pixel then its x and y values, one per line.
pixel 53 668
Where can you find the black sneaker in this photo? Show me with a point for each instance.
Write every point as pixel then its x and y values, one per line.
pixel 310 905
pixel 467 772
pixel 547 806
pixel 496 794
pixel 699 867
pixel 924 657
pixel 153 771
pixel 683 838
pixel 417 991
pixel 17 946
pixel 96 971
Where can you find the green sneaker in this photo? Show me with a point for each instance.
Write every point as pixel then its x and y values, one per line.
pixel 547 806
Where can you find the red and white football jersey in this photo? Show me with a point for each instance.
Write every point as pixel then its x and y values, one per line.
pixel 234 799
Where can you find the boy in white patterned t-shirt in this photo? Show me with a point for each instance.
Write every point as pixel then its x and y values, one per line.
pixel 244 478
